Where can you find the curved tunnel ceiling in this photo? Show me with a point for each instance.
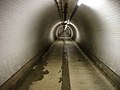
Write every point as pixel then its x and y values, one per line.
pixel 26 28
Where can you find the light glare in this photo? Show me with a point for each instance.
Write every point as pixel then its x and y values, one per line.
pixel 79 3
pixel 94 3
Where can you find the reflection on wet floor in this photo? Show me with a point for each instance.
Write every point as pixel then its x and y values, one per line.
pixel 64 68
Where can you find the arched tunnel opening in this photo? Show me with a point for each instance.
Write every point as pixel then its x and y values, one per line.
pixel 71 31
pixel 59 44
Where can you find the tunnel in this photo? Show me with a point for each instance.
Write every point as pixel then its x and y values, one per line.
pixel 59 44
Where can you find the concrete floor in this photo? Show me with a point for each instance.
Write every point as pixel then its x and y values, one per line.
pixel 65 68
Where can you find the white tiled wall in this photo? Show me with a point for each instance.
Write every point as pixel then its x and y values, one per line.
pixel 101 30
pixel 24 31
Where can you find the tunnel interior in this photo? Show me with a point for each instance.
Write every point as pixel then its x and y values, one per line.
pixel 28 28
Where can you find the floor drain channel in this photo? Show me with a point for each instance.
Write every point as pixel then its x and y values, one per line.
pixel 65 70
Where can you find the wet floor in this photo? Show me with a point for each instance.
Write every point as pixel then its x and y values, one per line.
pixel 64 67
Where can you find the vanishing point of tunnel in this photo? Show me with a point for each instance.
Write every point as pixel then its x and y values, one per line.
pixel 59 44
